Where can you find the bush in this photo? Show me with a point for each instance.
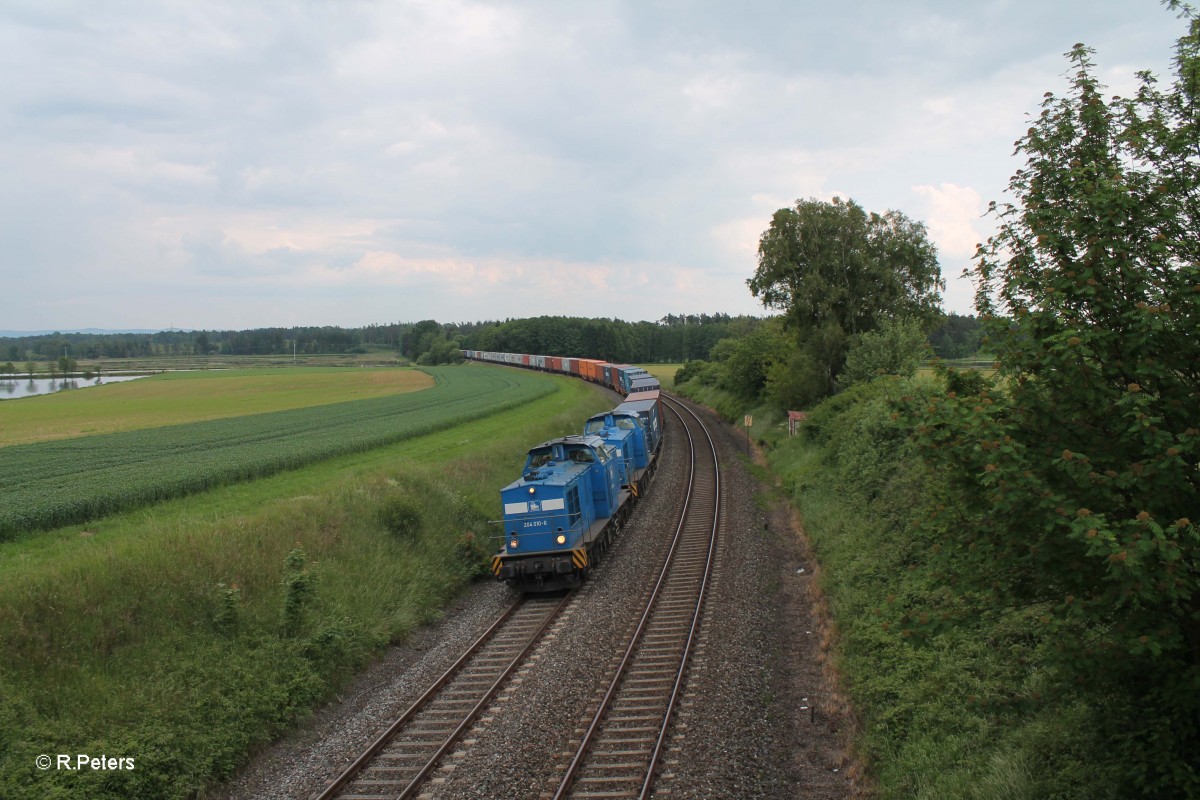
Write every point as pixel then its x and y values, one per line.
pixel 796 382
pixel 473 555
pixel 896 348
pixel 401 517
pixel 690 370
pixel 954 695
pixel 298 585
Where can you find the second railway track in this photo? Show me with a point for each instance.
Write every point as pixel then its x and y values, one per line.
pixel 619 752
pixel 403 757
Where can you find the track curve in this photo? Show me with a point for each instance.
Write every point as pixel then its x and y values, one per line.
pixel 619 752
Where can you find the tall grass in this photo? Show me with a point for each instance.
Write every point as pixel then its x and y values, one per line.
pixel 187 636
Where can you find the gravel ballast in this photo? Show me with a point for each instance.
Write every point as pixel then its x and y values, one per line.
pixel 760 716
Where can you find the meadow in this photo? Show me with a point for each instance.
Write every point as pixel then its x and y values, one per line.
pixel 175 398
pixel 60 482
pixel 189 633
pixel 664 372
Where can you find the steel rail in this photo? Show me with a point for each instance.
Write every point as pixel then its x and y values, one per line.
pixel 473 714
pixel 335 787
pixel 691 638
pixel 584 747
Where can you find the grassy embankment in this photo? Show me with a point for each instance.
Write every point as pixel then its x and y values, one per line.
pixel 175 398
pixel 936 721
pixel 186 634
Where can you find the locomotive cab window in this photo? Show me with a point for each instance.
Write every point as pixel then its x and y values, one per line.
pixel 573 512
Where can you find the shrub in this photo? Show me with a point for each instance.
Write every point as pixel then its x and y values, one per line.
pixel 690 370
pixel 401 517
pixel 895 348
pixel 298 590
pixel 473 555
pixel 228 608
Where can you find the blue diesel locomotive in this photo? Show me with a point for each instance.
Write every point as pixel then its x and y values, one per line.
pixel 576 492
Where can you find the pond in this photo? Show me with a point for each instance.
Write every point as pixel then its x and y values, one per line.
pixel 12 388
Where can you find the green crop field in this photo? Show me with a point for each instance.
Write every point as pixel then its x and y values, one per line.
pixel 175 398
pixel 61 482
pixel 186 635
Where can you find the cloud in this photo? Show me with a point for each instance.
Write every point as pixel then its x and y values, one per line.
pixel 954 218
pixel 362 161
pixel 953 215
pixel 739 237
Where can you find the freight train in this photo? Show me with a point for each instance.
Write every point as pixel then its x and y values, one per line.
pixel 576 492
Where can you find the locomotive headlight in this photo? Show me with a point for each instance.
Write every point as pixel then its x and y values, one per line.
pixel 561 539
pixel 531 490
pixel 513 544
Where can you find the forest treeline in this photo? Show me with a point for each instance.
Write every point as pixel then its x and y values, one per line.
pixel 674 338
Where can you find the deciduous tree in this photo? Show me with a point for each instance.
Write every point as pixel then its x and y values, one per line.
pixel 1076 474
pixel 836 271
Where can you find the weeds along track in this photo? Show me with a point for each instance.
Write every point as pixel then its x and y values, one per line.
pixel 62 482
pixel 619 750
pixel 399 761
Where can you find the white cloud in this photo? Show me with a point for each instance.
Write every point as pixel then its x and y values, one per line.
pixel 470 159
pixel 954 218
pixel 953 215
pixel 739 237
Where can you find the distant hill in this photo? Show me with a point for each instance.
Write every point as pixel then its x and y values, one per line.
pixel 19 334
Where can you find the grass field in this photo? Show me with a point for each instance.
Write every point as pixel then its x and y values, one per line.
pixel 983 365
pixel 71 480
pixel 665 373
pixel 175 398
pixel 189 633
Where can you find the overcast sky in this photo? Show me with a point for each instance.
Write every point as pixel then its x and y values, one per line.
pixel 244 164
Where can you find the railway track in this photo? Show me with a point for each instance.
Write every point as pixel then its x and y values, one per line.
pixel 619 752
pixel 398 763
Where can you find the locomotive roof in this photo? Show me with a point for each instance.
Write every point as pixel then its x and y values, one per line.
pixel 613 413
pixel 575 438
